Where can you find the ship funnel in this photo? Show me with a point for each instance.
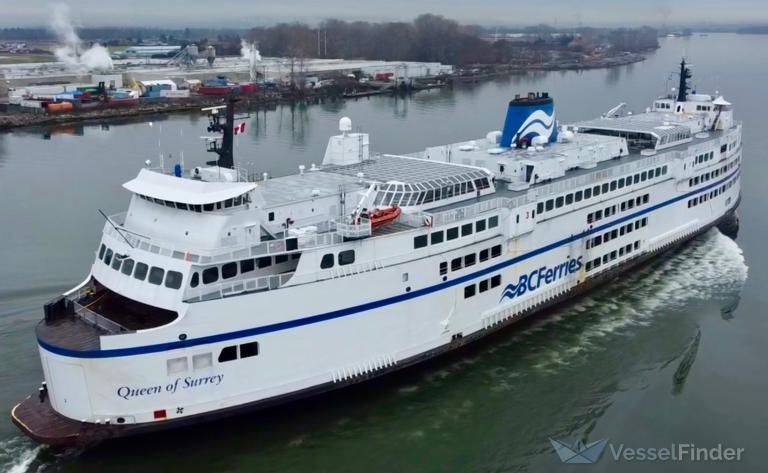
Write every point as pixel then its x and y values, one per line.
pixel 527 118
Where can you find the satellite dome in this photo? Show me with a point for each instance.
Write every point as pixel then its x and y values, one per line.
pixel 345 124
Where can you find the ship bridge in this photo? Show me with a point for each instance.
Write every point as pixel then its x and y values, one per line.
pixel 646 131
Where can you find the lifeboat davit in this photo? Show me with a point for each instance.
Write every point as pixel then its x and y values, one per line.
pixel 384 216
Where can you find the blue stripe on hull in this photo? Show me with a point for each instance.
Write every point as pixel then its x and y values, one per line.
pixel 160 347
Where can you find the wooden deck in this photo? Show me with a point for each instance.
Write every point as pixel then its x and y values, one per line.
pixel 69 332
pixel 39 421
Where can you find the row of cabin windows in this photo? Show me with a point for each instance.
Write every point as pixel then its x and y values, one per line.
pixel 703 108
pixel 246 350
pixel 230 270
pixel 140 271
pixel 694 181
pixel 612 209
pixel 482 286
pixel 703 158
pixel 590 192
pixel 225 204
pixel 344 258
pixel 391 196
pixel 453 233
pixel 664 105
pixel 470 259
pixel 608 257
pixel 617 232
pixel 711 195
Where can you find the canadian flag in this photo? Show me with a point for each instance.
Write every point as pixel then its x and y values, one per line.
pixel 240 128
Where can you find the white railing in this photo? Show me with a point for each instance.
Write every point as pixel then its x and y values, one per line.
pixel 231 288
pixel 352 269
pixel 97 320
pixel 360 229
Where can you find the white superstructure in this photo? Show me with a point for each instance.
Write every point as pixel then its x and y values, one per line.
pixel 215 294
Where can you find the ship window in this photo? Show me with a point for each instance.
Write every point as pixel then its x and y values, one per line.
pixel 493 222
pixel 443 268
pixel 195 279
pixel 496 281
pixel 540 207
pixel 173 279
pixel 248 350
pixel 550 205
pixel 436 237
pixel 271 216
pixel 176 365
pixel 663 169
pixel 613 185
pixel 228 203
pixel 108 257
pixel 228 270
pixel 559 202
pixel 578 196
pixel 452 233
pixel 156 275
pixel 480 226
pixel 327 261
pixel 483 286
pixel 456 264
pixel 621 182
pixel 419 241
pixel 469 291
pixel 247 265
pixel 658 172
pixel 141 271
pixel 596 191
pixel 210 275
pixel 605 188
pixel 197 208
pixel 484 255
pixel 466 229
pixel 643 176
pixel 587 193
pixel 637 178
pixel 266 261
pixel 202 360
pixel 228 354
pixel 206 207
pixel 469 260
pixel 116 262
pixel 127 266
pixel 568 199
pixel 102 250
pixel 496 251
pixel 346 257
pixel 281 259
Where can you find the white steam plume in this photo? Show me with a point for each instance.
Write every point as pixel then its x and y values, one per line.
pixel 72 52
pixel 248 51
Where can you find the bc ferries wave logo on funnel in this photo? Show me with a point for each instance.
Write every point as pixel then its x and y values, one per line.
pixel 527 118
pixel 541 276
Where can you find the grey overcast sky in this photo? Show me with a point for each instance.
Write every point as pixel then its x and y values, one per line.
pixel 244 13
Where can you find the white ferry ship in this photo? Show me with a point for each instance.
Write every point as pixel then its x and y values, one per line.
pixel 215 294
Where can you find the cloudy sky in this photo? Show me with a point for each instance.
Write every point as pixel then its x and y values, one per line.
pixel 244 13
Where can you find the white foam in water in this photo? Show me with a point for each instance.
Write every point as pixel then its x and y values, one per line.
pixel 712 267
pixel 17 455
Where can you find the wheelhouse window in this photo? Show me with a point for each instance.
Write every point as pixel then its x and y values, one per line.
pixel 173 280
pixel 327 261
pixel 127 266
pixel 346 257
pixel 195 281
pixel 141 271
pixel 228 270
pixel 108 257
pixel 210 275
pixel 156 275
pixel 247 265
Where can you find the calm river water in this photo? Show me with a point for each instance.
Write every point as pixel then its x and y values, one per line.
pixel 675 353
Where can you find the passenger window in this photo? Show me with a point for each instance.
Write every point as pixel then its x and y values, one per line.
pixel 587 193
pixel 469 291
pixel 596 191
pixel 210 275
pixel 281 259
pixel 419 242
pixel 141 271
pixel 248 350
pixel 559 202
pixel 228 354
pixel 127 266
pixel 550 205
pixel 173 279
pixel 493 222
pixel 452 233
pixel 483 286
pixel 540 207
pixel 247 265
pixel 613 185
pixel 456 264
pixel 578 196
pixel 346 257
pixel 195 279
pixel 480 226
pixel 229 270
pixel 568 199
pixel 266 261
pixel 327 261
pixel 443 268
pixel 156 275
pixel 605 188
pixel 466 229
pixel 484 255
pixel 496 281
pixel 436 237
pixel 469 260
pixel 496 251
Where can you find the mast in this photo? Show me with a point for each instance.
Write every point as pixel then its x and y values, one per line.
pixel 683 88
pixel 226 158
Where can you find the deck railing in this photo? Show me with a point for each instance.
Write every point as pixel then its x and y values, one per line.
pixel 360 229
pixel 231 288
pixel 98 320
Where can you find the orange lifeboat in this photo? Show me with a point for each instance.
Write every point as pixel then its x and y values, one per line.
pixel 384 216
